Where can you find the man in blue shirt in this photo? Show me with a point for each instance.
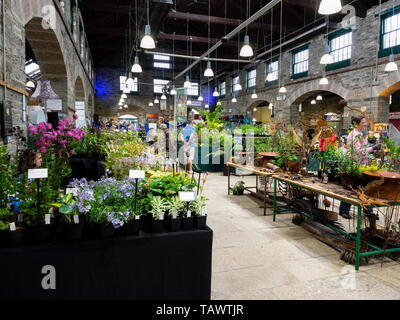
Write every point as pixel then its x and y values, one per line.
pixel 187 137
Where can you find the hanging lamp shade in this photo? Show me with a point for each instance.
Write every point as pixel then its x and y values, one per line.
pixel 239 87
pixel 136 68
pixel 255 109
pixel 326 58
pixel 391 66
pixel 151 104
pixel 189 102
pixel 319 98
pixel 173 92
pixel 324 80
pixel 147 41
pixel 126 106
pixel 187 83
pixel 234 100
pixel 163 97
pixel 120 103
pixel 209 71
pixel 44 91
pixel 124 96
pixel 130 81
pixel 246 51
pixel 282 89
pixel 156 101
pixel 120 108
pixel 330 7
pixel 254 96
pixel 216 93
pixel 200 99
pixel 30 84
pixel 207 106
pixel 313 101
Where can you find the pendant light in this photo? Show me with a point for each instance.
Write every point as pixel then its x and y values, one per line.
pixel 282 89
pixel 313 101
pixel 124 96
pixel 130 81
pixel 120 103
pixel 255 109
pixel 187 83
pixel 326 58
pixel 328 7
pixel 151 104
pixel 254 95
pixel 173 92
pixel 206 106
pixel 147 41
pixel 120 108
pixel 319 98
pixel 209 72
pixel 216 93
pixel 391 66
pixel 188 102
pixel 136 68
pixel 234 100
pixel 246 51
pixel 163 97
pixel 239 86
pixel 324 80
pixel 200 99
pixel 156 101
pixel 126 106
pixel 30 84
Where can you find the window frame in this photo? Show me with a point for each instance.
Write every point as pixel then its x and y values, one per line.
pixel 294 52
pixel 233 84
pixel 159 78
pixel 134 93
pixel 198 89
pixel 343 63
pixel 162 61
pixel 267 64
pixel 220 90
pixel 383 16
pixel 248 88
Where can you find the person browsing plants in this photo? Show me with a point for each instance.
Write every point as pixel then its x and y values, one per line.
pixel 187 137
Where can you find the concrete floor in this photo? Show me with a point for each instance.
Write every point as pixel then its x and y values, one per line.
pixel 255 258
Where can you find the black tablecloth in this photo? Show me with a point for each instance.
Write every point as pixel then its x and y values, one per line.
pixel 173 265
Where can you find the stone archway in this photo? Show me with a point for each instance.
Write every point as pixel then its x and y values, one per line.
pixel 49 56
pixel 260 111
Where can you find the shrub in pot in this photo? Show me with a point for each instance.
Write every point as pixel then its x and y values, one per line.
pixel 238 189
pixel 173 221
pixel 199 207
pixel 158 207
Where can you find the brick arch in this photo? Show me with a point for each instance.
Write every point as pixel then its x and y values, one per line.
pixel 389 85
pixel 303 90
pixel 80 93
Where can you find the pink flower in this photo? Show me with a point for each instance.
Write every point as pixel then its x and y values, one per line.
pixel 63 143
pixel 70 134
pixel 68 154
pixel 59 153
pixel 75 116
pixel 72 151
pixel 68 120
pixel 49 126
pixel 43 149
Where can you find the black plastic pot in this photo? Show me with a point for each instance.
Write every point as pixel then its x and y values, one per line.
pixel 131 228
pixel 200 222
pixel 107 231
pixel 75 231
pixel 239 192
pixel 173 224
pixel 188 223
pixel 91 231
pixel 157 226
pixel 14 238
pixel 42 232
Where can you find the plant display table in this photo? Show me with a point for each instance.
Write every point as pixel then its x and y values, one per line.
pixel 339 193
pixel 174 266
pixel 257 172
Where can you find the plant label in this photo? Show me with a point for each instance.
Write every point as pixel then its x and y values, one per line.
pixel 187 196
pixel 136 174
pixel 20 217
pixel 189 214
pixel 12 226
pixel 8 206
pixel 174 214
pixel 51 211
pixel 137 217
pixel 162 216
pixel 76 219
pixel 74 191
pixel 38 174
pixel 47 218
pixel 325 178
pixel 203 212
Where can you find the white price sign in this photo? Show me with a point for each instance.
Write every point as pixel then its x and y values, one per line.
pixel 76 219
pixel 37 173
pixel 203 212
pixel 137 217
pixel 189 214
pixel 12 226
pixel 47 218
pixel 162 216
pixel 136 174
pixel 187 196
pixel 73 191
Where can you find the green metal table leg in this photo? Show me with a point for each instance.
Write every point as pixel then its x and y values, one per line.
pixel 358 241
pixel 274 199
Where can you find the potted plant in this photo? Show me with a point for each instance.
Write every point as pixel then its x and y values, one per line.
pixel 158 207
pixel 199 209
pixel 174 219
pixel 238 188
pixel 11 238
pixel 187 218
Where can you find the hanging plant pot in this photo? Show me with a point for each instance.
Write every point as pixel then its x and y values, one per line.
pixel 14 238
pixel 131 228
pixel 188 223
pixel 200 222
pixel 173 224
pixel 75 231
pixel 157 226
pixel 107 231
pixel 42 232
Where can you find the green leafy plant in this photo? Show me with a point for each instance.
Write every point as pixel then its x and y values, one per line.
pixel 158 206
pixel 393 155
pixel 285 145
pixel 8 181
pixel 198 205
pixel 175 206
pixel 238 188
pixel 66 207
